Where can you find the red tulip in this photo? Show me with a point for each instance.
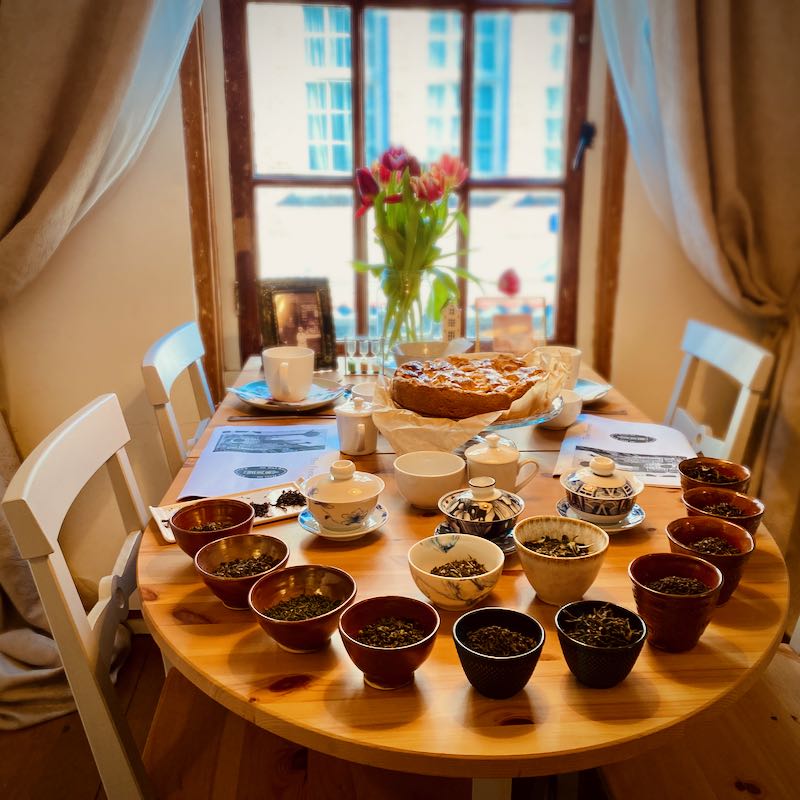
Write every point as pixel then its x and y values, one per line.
pixel 397 159
pixel 509 282
pixel 452 170
pixel 428 186
pixel 368 189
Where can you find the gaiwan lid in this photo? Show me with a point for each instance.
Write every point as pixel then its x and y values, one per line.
pixel 482 502
pixel 602 479
pixel 494 450
pixel 342 484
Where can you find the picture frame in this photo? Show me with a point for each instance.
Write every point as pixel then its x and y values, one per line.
pixel 298 311
pixel 515 324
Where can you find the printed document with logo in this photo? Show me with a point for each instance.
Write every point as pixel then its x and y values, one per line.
pixel 239 459
pixel 651 452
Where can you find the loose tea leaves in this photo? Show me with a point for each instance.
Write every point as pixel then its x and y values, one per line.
pixel 290 498
pixel 677 584
pixel 210 526
pixel 302 606
pixel 467 568
pixel 560 548
pixel 724 510
pixel 708 474
pixel 495 640
pixel 245 567
pixel 390 632
pixel 261 509
pixel 715 546
pixel 600 627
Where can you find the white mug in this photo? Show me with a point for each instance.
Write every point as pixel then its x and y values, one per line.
pixel 571 357
pixel 499 459
pixel 358 435
pixel 568 414
pixel 289 372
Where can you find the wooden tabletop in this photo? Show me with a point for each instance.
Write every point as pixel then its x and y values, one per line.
pixel 440 725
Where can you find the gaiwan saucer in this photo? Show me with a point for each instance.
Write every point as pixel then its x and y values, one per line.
pixel 505 543
pixel 374 520
pixel 635 517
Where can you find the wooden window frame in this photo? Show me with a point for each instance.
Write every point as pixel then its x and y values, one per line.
pixel 244 181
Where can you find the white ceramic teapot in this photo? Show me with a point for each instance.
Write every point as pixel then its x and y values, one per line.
pixel 358 435
pixel 499 459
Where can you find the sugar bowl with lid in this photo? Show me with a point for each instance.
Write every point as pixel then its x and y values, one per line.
pixel 498 458
pixel 341 499
pixel 601 492
pixel 482 509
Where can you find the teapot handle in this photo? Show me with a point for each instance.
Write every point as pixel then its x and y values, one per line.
pixel 532 474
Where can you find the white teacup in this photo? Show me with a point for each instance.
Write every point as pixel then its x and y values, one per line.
pixel 568 414
pixel 571 357
pixel 289 372
pixel 425 475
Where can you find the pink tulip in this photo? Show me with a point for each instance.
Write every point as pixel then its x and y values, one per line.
pixel 428 186
pixel 397 159
pixel 509 282
pixel 452 170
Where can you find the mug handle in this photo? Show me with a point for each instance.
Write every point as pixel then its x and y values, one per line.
pixel 525 481
pixel 283 377
pixel 362 436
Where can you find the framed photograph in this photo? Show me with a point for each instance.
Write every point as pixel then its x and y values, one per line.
pixel 297 311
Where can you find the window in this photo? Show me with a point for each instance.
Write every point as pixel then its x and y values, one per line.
pixel 315 90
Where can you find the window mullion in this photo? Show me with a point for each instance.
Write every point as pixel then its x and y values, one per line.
pixel 359 158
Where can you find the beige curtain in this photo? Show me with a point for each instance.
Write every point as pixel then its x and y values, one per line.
pixel 709 90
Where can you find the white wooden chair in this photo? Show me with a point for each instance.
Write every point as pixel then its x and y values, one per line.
pixel 750 749
pixel 746 363
pixel 178 351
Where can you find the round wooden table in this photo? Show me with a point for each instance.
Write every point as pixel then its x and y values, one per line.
pixel 440 725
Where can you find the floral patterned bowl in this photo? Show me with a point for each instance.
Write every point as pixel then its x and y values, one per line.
pixel 601 493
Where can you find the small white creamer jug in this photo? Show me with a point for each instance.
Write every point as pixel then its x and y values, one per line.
pixel 358 435
pixel 499 459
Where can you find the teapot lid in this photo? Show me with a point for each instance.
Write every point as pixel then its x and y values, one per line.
pixel 355 407
pixel 493 450
pixel 602 478
pixel 482 502
pixel 341 484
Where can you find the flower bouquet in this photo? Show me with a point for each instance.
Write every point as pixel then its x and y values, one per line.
pixel 411 216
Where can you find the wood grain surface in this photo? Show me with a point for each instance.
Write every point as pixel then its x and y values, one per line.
pixel 440 725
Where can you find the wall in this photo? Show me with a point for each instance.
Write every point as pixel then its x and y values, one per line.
pixel 120 280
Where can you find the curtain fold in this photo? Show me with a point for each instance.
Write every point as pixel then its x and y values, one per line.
pixel 708 90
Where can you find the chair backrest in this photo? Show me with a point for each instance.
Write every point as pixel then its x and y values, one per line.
pixel 746 363
pixel 179 350
pixel 36 502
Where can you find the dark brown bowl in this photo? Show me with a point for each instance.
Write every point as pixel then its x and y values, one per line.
pixel 388 667
pixel 736 477
pixel 233 591
pixel 683 533
pixel 306 635
pixel 699 501
pixel 235 515
pixel 675 622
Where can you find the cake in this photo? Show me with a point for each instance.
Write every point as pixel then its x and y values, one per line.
pixel 458 387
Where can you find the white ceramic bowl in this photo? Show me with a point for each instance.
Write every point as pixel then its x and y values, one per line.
pixel 569 411
pixel 424 476
pixel 560 580
pixel 454 594
pixel 418 351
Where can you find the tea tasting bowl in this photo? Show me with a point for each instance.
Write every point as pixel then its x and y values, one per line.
pixel 235 517
pixel 423 476
pixel 705 501
pixel 455 594
pixel 558 580
pixel 306 635
pixel 730 475
pixel 497 677
pixel 388 667
pixel 418 351
pixel 234 591
pixel 685 532
pixel 675 621
pixel 600 492
pixel 482 509
pixel 342 498
pixel 595 665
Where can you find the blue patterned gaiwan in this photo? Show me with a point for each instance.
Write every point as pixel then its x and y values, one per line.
pixel 342 499
pixel 600 492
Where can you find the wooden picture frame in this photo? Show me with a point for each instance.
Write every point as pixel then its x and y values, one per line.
pixel 297 311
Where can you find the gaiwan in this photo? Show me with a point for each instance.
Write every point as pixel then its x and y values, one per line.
pixel 482 509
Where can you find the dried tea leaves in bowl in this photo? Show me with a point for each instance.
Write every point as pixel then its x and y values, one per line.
pixel 495 640
pixel 563 547
pixel 302 606
pixel 677 584
pixel 245 567
pixel 600 627
pixel 210 526
pixel 708 473
pixel 723 510
pixel 390 632
pixel 466 568
pixel 715 546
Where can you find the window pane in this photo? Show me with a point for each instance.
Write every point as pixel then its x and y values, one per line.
pixel 299 71
pixel 518 230
pixel 520 80
pixel 309 233
pixel 413 62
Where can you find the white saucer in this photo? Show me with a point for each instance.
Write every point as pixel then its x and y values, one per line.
pixel 374 520
pixel 634 518
pixel 590 391
pixel 257 394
